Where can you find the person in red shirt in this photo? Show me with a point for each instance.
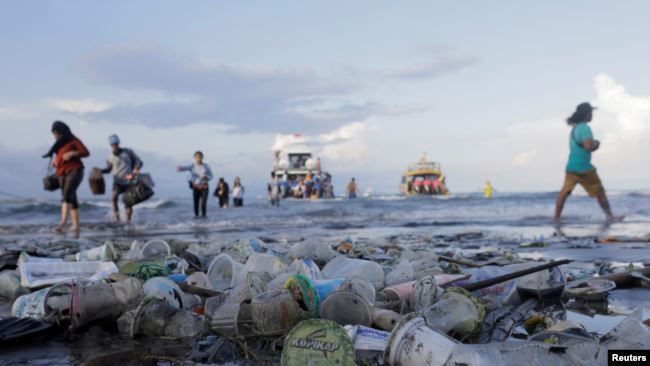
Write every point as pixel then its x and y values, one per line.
pixel 427 185
pixel 417 185
pixel 70 170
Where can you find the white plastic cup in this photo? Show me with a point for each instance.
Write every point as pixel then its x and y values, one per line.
pixel 413 342
pixel 225 273
pixel 343 267
pixel 258 262
pixel 105 252
pixel 307 267
pixel 155 248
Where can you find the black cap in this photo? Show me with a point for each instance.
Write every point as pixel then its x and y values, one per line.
pixel 585 107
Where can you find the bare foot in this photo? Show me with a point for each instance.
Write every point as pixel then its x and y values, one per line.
pixel 59 229
pixel 74 231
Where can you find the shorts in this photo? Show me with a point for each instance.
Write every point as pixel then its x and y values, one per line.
pixel 589 180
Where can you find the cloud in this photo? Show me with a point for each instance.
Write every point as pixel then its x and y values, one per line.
pixel 345 143
pixel 252 97
pixel 80 106
pixel 440 61
pixel 631 115
pixel 524 158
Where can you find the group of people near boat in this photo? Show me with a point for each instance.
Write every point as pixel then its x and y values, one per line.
pixel 314 185
pixel 429 184
pixel 124 164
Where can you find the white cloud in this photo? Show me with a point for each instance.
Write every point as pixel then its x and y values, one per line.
pixel 524 158
pixel 631 123
pixel 80 106
pixel 344 143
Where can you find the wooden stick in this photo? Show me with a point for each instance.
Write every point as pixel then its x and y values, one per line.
pixel 511 276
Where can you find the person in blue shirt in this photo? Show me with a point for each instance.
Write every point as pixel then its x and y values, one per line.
pixel 579 169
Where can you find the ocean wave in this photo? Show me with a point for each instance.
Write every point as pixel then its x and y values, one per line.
pixel 157 204
pixel 36 207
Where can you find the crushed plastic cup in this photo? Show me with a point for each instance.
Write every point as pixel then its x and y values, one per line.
pixel 155 248
pixel 258 262
pixel 318 252
pixel 361 287
pixel 458 311
pixel 256 282
pixel 346 308
pixel 424 294
pixel 224 272
pixel 105 252
pixel 152 249
pixel 274 312
pixel 156 318
pixel 307 267
pixel 94 301
pixel 230 319
pixel 403 272
pixel 343 267
pixel 317 342
pixel 249 246
pixel 413 342
pixel 45 304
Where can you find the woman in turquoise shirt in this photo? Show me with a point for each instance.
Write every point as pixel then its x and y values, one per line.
pixel 579 169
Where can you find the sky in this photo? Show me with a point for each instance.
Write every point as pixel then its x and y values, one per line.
pixel 482 87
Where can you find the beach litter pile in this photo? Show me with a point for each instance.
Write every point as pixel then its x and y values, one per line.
pixel 343 303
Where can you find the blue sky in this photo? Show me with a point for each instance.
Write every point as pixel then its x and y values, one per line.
pixel 481 87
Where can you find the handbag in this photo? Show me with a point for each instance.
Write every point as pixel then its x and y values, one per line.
pixel 51 181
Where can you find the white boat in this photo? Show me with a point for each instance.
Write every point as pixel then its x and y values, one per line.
pixel 299 174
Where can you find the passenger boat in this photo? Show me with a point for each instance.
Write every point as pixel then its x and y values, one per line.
pixel 423 178
pixel 299 174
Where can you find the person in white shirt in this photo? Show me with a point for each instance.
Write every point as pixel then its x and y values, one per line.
pixel 201 174
pixel 237 193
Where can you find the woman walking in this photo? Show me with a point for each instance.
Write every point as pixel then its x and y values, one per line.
pixel 237 193
pixel 69 151
pixel 579 170
pixel 222 193
pixel 201 174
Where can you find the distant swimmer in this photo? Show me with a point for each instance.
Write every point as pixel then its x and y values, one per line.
pixel 488 189
pixel 351 190
pixel 579 169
